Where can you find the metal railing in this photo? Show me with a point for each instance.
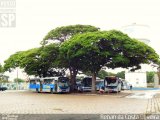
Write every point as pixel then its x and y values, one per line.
pixel 16 86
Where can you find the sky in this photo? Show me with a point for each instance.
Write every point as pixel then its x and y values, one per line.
pixel 35 18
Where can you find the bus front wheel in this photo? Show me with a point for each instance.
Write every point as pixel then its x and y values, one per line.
pixel 37 90
pixel 51 90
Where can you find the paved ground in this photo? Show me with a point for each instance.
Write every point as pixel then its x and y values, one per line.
pixel 25 102
pixel 153 105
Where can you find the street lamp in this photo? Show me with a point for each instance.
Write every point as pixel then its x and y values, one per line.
pixel 17 79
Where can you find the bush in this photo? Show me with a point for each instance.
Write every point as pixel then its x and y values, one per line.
pixel 19 80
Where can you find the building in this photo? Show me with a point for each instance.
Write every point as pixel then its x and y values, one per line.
pixel 136 79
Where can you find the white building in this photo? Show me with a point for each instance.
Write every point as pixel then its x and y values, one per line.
pixel 136 79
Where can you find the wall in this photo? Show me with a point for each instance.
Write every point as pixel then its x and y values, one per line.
pixel 137 79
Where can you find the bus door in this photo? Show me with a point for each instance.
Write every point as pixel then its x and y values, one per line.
pixel 41 85
pixel 55 85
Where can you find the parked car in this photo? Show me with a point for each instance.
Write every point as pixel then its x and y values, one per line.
pixel 3 88
pixel 125 85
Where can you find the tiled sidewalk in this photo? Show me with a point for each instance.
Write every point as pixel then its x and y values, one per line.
pixel 153 105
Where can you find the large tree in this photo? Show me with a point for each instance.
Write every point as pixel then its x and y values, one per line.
pixel 92 51
pixel 65 61
pixel 65 33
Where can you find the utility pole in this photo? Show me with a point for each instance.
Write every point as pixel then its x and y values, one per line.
pixel 17 79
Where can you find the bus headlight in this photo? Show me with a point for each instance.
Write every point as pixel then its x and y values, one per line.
pixel 59 89
pixel 68 89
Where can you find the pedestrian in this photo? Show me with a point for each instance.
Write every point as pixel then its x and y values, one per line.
pixel 101 90
pixel 130 86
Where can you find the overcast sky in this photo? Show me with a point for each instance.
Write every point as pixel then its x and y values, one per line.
pixel 35 18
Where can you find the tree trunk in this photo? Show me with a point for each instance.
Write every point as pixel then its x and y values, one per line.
pixel 73 81
pixel 73 73
pixel 93 82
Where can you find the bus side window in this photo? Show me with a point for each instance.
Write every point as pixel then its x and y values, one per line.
pixel 32 82
pixel 45 82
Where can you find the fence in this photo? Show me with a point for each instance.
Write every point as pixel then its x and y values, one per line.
pixel 16 86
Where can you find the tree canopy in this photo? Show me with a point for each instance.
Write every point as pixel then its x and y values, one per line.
pixel 66 32
pixel 121 74
pixel 13 61
pixel 150 77
pixel 37 61
pixel 102 74
pixel 1 68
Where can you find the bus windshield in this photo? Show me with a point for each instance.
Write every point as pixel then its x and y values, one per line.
pixel 111 81
pixel 34 81
pixel 48 81
pixel 87 82
pixel 63 81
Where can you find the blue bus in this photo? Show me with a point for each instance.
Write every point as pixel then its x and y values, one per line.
pixel 86 84
pixel 50 84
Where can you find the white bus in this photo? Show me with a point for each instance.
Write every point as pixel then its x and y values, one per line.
pixel 112 84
